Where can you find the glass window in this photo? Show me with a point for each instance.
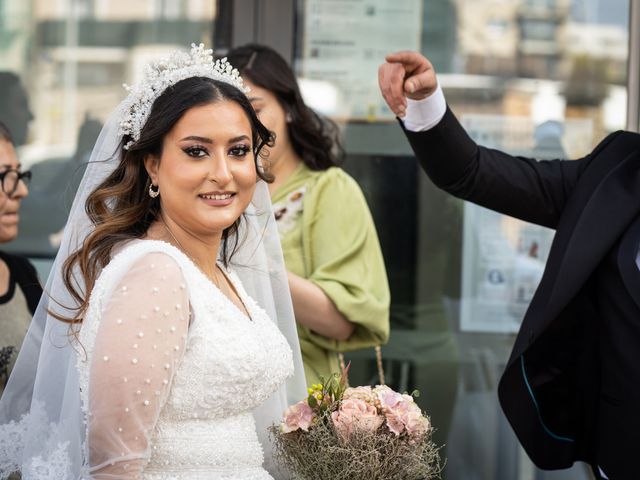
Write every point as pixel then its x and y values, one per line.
pixel 64 64
pixel 545 79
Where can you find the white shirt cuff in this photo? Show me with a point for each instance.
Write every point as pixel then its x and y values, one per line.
pixel 426 113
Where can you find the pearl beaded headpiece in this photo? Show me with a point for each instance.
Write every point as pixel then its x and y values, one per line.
pixel 167 71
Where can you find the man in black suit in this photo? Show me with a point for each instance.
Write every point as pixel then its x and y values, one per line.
pixel 571 387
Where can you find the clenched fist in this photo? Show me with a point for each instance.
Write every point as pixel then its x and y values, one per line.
pixel 405 74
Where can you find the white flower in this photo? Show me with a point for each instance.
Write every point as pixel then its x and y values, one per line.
pixel 287 212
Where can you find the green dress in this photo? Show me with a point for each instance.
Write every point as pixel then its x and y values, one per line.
pixel 329 238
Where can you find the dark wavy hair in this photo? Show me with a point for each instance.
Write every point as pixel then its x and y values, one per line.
pixel 120 208
pixel 315 139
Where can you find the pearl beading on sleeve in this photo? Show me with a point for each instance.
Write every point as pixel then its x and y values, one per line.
pixel 115 327
pixel 192 415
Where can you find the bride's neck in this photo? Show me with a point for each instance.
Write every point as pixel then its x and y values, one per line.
pixel 203 251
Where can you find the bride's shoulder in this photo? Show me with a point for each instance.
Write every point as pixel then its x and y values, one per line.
pixel 146 266
pixel 138 247
pixel 145 250
pixel 156 257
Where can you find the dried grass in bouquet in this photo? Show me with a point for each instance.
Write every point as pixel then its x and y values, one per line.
pixel 356 433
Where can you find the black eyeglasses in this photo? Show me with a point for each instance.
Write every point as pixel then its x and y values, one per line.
pixel 10 179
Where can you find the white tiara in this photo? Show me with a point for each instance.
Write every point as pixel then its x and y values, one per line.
pixel 167 71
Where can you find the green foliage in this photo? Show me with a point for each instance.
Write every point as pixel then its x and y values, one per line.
pixel 323 395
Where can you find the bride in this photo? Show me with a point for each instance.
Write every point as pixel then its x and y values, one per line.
pixel 166 344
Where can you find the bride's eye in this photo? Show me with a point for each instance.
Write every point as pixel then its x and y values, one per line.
pixel 196 151
pixel 239 150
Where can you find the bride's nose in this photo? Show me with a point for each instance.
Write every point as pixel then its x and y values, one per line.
pixel 219 171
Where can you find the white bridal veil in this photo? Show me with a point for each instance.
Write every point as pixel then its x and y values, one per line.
pixel 42 424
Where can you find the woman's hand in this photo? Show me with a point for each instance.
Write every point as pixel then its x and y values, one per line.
pixel 406 74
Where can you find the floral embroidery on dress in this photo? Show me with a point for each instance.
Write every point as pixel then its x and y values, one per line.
pixel 53 463
pixel 288 211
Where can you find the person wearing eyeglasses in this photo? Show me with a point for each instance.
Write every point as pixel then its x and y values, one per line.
pixel 20 289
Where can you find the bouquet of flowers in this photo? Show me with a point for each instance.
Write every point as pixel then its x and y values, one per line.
pixel 356 433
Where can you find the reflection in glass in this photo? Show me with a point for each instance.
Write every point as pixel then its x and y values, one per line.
pixel 544 79
pixel 66 63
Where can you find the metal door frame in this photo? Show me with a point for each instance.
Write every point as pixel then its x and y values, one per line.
pixel 271 22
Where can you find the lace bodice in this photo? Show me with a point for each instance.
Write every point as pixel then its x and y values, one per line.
pixel 172 369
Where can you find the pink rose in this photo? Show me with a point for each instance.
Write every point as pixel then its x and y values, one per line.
pixel 355 415
pixel 394 423
pixel 298 416
pixel 361 393
pixel 401 412
pixel 417 425
pixel 389 399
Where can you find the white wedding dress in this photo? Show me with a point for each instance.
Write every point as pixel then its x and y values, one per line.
pixel 171 369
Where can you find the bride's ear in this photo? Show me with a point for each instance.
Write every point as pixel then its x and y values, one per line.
pixel 151 164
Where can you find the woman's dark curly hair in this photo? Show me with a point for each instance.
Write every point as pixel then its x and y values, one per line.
pixel 315 139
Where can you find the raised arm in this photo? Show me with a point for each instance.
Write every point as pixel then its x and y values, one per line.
pixel 535 191
pixel 406 75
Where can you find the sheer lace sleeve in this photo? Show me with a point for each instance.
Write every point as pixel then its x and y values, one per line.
pixel 138 346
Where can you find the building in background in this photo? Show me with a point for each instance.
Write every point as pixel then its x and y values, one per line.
pixel 74 55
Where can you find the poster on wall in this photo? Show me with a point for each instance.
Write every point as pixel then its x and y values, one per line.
pixel 503 261
pixel 343 44
pixel 503 258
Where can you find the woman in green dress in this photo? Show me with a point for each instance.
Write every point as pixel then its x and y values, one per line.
pixel 337 275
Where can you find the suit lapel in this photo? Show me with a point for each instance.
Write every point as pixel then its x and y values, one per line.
pixel 612 203
pixel 607 214
pixel 626 261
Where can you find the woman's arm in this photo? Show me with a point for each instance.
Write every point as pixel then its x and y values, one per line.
pixel 344 262
pixel 139 345
pixel 315 310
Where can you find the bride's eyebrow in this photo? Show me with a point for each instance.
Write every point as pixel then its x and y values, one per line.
pixel 197 139
pixel 238 139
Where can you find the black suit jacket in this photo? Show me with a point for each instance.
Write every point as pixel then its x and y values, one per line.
pixel 550 388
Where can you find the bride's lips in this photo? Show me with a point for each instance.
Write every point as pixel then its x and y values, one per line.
pixel 217 199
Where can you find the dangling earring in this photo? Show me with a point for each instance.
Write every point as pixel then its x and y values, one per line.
pixel 288 118
pixel 153 193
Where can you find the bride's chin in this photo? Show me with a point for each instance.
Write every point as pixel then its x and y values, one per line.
pixel 220 222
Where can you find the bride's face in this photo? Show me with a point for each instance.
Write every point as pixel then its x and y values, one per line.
pixel 206 172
